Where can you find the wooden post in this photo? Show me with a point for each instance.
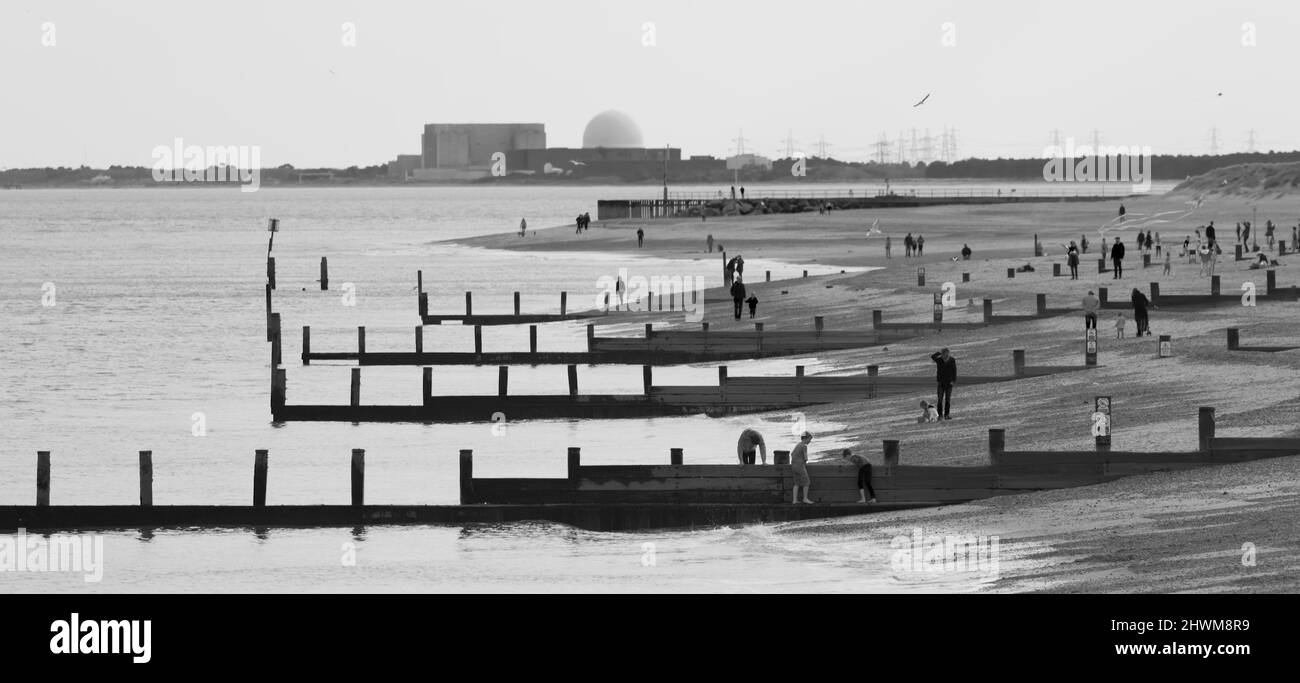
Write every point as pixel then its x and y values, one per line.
pixel 988 311
pixel 877 318
pixel 146 479
pixel 758 332
pixel 591 338
pixel 646 378
pixel 1238 254
pixel 419 282
pixel 1205 428
pixel 1102 294
pixel 1166 346
pixel 419 338
pixel 805 273
pixel 798 382
pixel 356 387
pixel 1155 292
pixel 890 448
pixel 1146 260
pixel 478 340
pixel 575 461
pixel 358 477
pixel 1056 270
pixel 938 309
pixel 1270 277
pixel 722 381
pixel 42 479
pixel 920 277
pixel 573 380
pixel 675 456
pixel 965 277
pixel 873 372
pixel 769 275
pixel 259 477
pixel 426 384
pixel 1042 304
pixel 270 271
pixel 780 457
pixel 324 274
pixel 1214 285
pixel 503 380
pixel 469 303
pixel 818 324
pixel 564 303
pixel 532 339
pixel 1234 339
pixel 467 477
pixel 997 445
pixel 424 305
pixel 361 342
pixel 276 357
pixel 1089 345
pixel 306 344
pixel 278 388
pixel 1018 362
pixel 516 303
pixel 1011 272
pixel 1101 265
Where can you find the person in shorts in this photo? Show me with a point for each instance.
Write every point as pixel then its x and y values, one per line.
pixel 799 465
pixel 750 440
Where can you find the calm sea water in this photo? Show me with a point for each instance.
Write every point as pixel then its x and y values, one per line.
pixel 133 317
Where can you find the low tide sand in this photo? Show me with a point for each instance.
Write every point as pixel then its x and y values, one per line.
pixel 1162 532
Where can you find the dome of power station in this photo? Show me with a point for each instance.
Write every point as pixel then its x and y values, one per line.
pixel 612 129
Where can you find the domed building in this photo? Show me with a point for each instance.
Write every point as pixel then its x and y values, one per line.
pixel 612 129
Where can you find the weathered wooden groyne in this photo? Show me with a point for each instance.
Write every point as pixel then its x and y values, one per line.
pixel 1234 344
pixel 731 395
pixel 1271 294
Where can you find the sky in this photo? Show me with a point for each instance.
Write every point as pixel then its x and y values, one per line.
pixel 351 82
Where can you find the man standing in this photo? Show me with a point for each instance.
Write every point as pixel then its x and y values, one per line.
pixel 947 376
pixel 640 237
pixel 709 241
pixel 1117 258
pixel 1090 305
pixel 745 447
pixel 738 295
pixel 799 466
pixel 1209 234
pixel 887 247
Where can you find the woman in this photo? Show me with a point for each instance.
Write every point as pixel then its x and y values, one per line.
pixel 1140 305
pixel 799 465
pixel 1072 255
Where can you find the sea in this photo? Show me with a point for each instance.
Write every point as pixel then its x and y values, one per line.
pixel 134 320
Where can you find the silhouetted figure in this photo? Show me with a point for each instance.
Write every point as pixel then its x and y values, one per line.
pixel 738 296
pixel 753 304
pixel 1117 258
pixel 640 237
pixel 947 376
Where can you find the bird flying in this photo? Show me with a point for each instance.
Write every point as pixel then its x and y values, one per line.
pixel 923 99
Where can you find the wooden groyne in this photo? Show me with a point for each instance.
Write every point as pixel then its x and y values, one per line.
pixel 731 395
pixel 1271 294
pixel 518 317
pixel 1234 344
pixel 1007 473
pixel 673 495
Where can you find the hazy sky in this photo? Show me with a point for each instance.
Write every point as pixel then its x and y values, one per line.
pixel 124 77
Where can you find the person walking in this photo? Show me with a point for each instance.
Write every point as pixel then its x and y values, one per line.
pixel 799 466
pixel 1072 258
pixel 640 237
pixel 920 245
pixel 1091 304
pixel 753 305
pixel 947 376
pixel 709 241
pixel 523 227
pixel 586 221
pixel 578 225
pixel 1117 258
pixel 864 476
pixel 1140 306
pixel 738 295
pixel 750 441
pixel 887 247
pixel 907 246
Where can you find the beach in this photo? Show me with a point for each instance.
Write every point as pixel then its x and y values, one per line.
pixel 1190 522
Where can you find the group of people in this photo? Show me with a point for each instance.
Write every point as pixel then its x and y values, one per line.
pixel 913 246
pixel 583 222
pixel 1141 308
pixel 751 445
pixel 738 298
pixel 734 269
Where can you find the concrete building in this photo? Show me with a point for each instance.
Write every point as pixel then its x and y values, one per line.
pixel 470 146
pixel 403 167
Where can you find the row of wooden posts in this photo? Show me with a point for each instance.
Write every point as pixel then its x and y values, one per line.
pixel 270 272
pixel 261 461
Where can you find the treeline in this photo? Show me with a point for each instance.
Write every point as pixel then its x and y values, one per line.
pixel 1163 166
pixel 64 176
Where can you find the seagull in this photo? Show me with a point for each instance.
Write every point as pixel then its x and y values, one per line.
pixel 874 230
pixel 923 99
pixel 332 72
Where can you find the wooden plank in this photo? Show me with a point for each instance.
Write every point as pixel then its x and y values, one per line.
pixel 1255 443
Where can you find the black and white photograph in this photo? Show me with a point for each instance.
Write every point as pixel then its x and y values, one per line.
pixel 903 308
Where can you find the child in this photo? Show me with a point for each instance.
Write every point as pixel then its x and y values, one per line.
pixel 864 476
pixel 928 413
pixel 1168 265
pixel 1119 325
pixel 753 304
